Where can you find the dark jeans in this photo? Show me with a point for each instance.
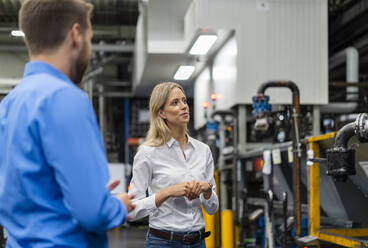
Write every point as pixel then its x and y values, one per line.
pixel 156 242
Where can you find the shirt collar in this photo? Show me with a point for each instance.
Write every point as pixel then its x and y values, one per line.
pixel 172 141
pixel 191 141
pixel 35 67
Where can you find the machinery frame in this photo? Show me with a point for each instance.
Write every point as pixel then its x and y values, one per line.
pixel 344 237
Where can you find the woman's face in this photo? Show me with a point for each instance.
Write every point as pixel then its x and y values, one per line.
pixel 176 110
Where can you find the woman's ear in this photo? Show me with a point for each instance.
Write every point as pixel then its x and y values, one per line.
pixel 162 114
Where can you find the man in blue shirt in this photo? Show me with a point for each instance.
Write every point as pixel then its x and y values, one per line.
pixel 53 168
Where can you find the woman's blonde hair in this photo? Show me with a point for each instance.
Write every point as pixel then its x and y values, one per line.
pixel 159 133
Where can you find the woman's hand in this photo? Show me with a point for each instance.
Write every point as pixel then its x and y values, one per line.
pixel 191 190
pixel 177 190
pixel 181 189
pixel 198 187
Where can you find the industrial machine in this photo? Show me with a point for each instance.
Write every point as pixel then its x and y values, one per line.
pixel 346 163
pixel 262 108
pixel 268 183
pixel 286 202
pixel 340 158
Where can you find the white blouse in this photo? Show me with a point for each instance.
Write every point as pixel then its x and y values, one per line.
pixel 155 168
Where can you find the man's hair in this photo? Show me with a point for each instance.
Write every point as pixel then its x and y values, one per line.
pixel 45 23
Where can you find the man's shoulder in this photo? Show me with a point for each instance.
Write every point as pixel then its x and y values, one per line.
pixel 51 83
pixel 47 86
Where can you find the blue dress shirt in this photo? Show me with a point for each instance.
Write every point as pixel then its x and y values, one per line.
pixel 53 168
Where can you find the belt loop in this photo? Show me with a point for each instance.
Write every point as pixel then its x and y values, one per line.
pixel 200 235
pixel 171 235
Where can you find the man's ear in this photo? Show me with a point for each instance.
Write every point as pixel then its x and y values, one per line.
pixel 162 114
pixel 76 36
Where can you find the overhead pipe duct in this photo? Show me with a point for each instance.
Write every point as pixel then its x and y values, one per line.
pixel 351 56
pixel 261 109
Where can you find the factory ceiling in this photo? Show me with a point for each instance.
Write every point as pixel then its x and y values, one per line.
pixel 114 26
pixel 115 22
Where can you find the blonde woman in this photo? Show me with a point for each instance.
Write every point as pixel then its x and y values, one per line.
pixel 177 171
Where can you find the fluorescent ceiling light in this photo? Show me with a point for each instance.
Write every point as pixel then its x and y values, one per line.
pixel 203 44
pixel 17 33
pixel 184 72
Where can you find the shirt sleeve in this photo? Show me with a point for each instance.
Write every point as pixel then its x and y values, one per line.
pixel 210 205
pixel 142 176
pixel 74 149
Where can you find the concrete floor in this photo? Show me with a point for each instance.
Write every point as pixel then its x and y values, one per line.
pixel 127 237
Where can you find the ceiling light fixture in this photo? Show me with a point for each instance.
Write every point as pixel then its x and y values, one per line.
pixel 17 33
pixel 184 72
pixel 203 44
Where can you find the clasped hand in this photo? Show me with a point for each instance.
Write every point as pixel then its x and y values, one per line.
pixel 192 190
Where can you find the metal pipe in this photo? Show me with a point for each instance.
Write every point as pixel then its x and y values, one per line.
pixel 340 159
pixel 223 114
pixel 91 74
pixel 351 56
pixel 9 82
pixel 282 84
pixel 284 208
pixel 244 219
pixel 90 84
pixel 360 84
pixel 4 92
pixel 101 111
pixel 210 222
pixel 344 134
pixel 117 48
pixel 126 129
pixel 316 120
pixel 242 127
pixel 269 219
pixel 296 143
pixel 227 229
pixel 352 72
pixel 221 165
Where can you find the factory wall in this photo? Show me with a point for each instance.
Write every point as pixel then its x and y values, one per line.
pixel 278 40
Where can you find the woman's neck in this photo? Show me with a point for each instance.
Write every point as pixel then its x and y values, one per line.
pixel 179 134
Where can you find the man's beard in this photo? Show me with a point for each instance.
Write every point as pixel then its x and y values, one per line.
pixel 80 66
